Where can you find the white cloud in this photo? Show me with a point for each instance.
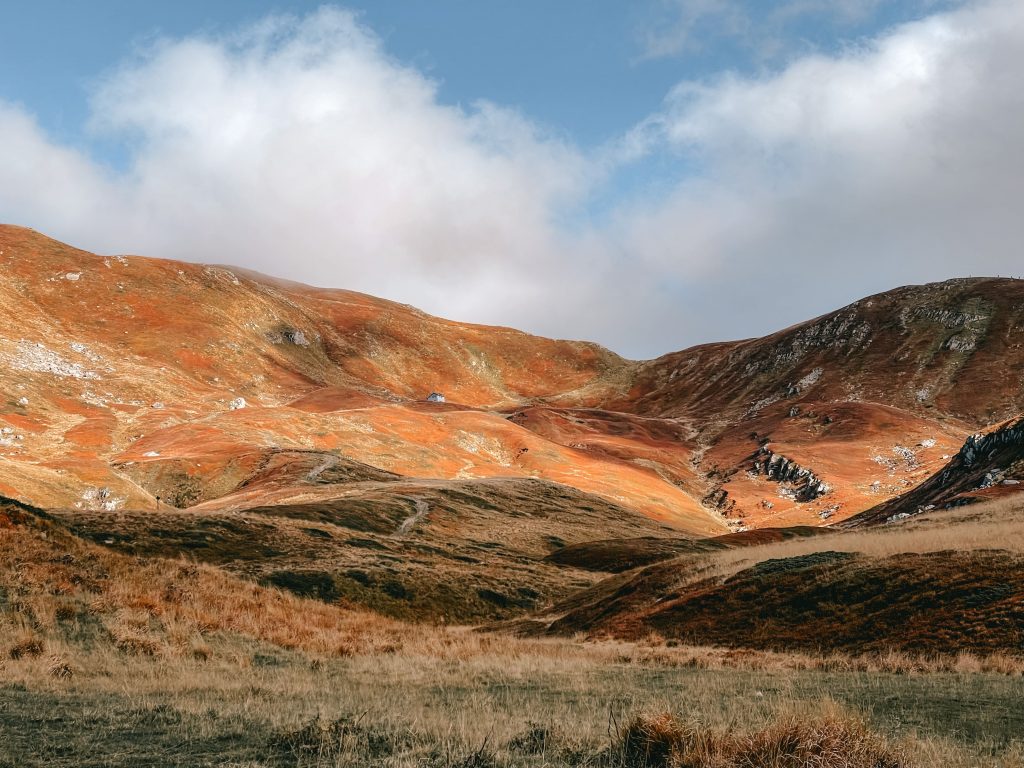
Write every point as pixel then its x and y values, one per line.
pixel 682 26
pixel 898 162
pixel 301 149
pixel 40 181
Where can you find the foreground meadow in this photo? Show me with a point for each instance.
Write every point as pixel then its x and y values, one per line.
pixel 454 698
pixel 110 660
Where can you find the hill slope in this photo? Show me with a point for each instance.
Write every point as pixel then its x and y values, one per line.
pixel 952 350
pixel 944 583
pixel 990 465
pixel 864 403
pixel 129 379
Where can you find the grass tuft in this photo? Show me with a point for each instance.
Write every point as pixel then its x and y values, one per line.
pixel 26 647
pixel 832 740
pixel 59 668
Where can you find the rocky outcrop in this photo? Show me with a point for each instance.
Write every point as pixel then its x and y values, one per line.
pixel 718 500
pixel 981 446
pixel 987 464
pixel 288 335
pixel 798 483
pixel 945 316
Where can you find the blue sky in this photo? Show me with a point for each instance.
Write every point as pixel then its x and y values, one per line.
pixel 578 66
pixel 649 175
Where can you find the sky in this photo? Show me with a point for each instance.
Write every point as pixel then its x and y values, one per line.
pixel 648 175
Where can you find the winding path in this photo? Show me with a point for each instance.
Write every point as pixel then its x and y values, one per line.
pixel 407 525
pixel 323 467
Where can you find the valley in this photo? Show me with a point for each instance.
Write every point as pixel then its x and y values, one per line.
pixel 221 491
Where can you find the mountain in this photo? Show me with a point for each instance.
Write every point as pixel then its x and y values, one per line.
pixel 130 378
pixel 943 350
pixel 849 409
pixel 138 384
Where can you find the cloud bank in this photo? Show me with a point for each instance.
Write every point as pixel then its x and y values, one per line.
pixel 301 149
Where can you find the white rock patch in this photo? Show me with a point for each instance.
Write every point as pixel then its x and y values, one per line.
pixel 486 446
pixel 810 379
pixel 907 455
pixel 355 425
pixel 82 349
pixel 92 398
pixel 100 499
pixel 38 359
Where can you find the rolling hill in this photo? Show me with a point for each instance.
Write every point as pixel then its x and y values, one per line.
pixel 130 378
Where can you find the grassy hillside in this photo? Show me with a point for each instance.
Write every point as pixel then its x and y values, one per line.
pixel 943 583
pixel 451 551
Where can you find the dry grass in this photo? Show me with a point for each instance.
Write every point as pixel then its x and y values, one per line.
pixel 172 609
pixel 163 608
pixel 226 662
pixel 992 525
pixel 504 703
pixel 829 737
pixel 447 695
pixel 940 584
pixel 833 739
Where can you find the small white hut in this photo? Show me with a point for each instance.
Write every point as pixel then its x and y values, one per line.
pixel 435 397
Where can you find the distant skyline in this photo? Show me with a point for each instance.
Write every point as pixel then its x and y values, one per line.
pixel 646 175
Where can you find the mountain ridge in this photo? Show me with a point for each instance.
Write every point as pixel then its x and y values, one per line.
pixel 130 378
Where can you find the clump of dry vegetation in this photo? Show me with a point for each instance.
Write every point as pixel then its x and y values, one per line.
pixel 832 740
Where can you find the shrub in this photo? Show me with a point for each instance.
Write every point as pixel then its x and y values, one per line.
pixel 59 668
pixel 26 647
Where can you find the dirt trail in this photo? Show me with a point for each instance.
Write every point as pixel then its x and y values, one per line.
pixel 323 467
pixel 407 525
